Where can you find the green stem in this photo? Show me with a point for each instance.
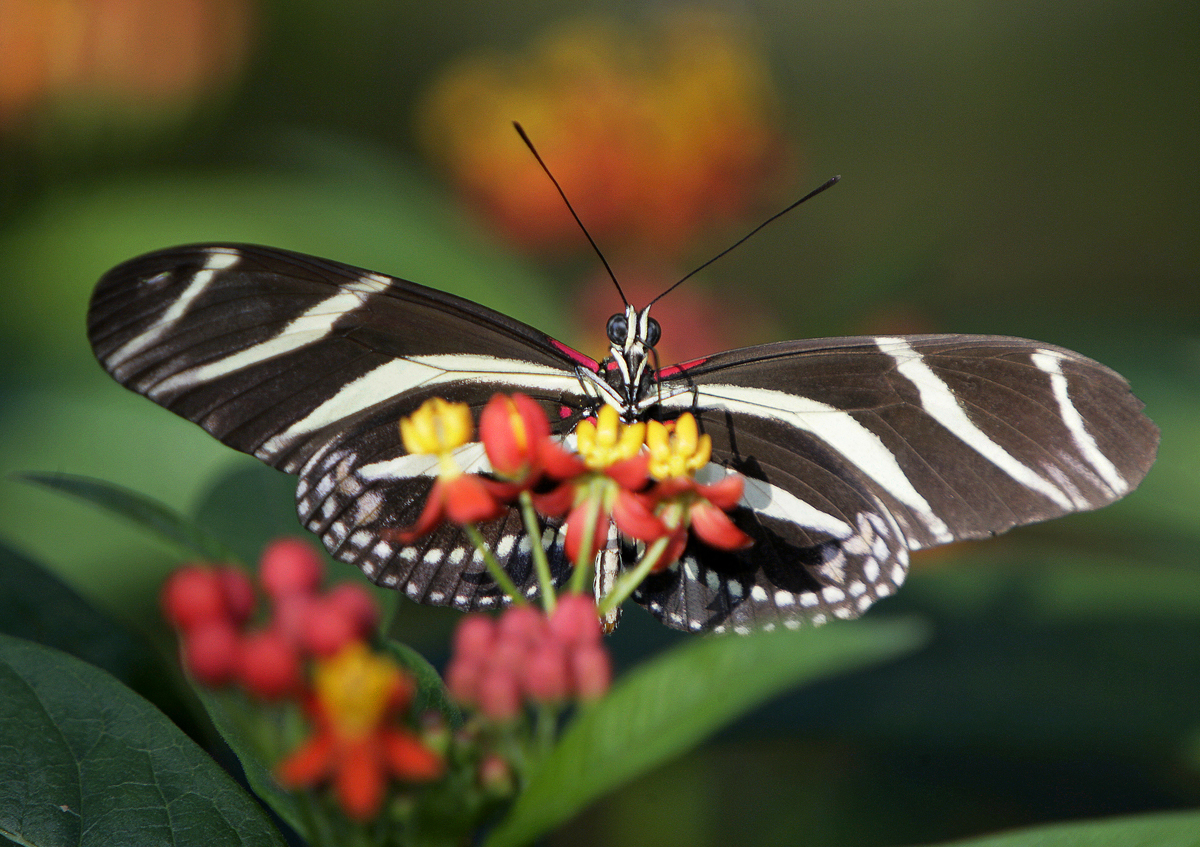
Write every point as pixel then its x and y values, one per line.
pixel 631 579
pixel 533 529
pixel 502 579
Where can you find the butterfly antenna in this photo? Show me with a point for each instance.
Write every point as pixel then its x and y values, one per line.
pixel 827 184
pixel 571 209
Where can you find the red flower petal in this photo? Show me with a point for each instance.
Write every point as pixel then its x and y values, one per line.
pixel 309 764
pixel 715 528
pixel 674 550
pixel 360 778
pixel 469 501
pixel 632 473
pixel 409 759
pixel 559 463
pixel 577 523
pixel 511 429
pixel 724 493
pixel 555 502
pixel 431 516
pixel 634 517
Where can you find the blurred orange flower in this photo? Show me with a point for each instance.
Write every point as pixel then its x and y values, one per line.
pixel 156 51
pixel 655 134
pixel 358 743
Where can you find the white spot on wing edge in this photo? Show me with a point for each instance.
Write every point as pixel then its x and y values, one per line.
pixel 1083 439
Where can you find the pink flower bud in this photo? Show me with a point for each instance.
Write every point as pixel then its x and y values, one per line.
pixel 210 652
pixel 238 591
pixel 269 666
pixel 463 675
pixel 546 676
pixel 327 628
pixel 193 595
pixel 357 604
pixel 290 566
pixel 474 637
pixel 496 776
pixel 499 694
pixel 290 614
pixel 575 620
pixel 522 625
pixel 591 669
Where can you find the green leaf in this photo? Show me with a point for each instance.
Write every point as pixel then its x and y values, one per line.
pixel 259 736
pixel 85 760
pixel 35 605
pixel 671 703
pixel 141 510
pixel 1177 829
pixel 431 691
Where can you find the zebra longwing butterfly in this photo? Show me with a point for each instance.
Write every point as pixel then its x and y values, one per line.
pixel 855 450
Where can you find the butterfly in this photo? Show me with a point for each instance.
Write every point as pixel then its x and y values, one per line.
pixel 855 451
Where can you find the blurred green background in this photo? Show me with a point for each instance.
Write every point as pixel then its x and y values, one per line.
pixel 1025 168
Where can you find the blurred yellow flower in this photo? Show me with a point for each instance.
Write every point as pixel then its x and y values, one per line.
pixel 655 133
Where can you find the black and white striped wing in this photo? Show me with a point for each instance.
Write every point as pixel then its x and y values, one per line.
pixel 309 365
pixel 857 450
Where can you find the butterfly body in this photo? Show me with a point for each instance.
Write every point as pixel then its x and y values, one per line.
pixel 855 450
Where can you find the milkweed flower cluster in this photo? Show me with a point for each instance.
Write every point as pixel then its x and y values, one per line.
pixel 640 476
pixel 656 132
pixel 310 648
pixel 529 658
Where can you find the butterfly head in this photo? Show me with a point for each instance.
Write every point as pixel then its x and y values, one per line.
pixel 631 338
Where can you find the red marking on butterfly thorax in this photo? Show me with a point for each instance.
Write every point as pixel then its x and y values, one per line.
pixel 675 370
pixel 576 357
pixel 565 412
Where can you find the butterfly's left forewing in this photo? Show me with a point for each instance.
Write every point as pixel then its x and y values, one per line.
pixel 309 365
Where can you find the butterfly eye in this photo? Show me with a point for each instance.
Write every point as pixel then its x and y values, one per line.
pixel 653 333
pixel 617 329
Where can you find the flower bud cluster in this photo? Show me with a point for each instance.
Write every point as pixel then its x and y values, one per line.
pixel 213 609
pixel 526 657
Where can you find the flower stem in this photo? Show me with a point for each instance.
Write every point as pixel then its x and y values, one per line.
pixel 502 579
pixel 631 579
pixel 533 529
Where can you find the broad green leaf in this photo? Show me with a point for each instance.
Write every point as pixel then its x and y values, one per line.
pixel 141 510
pixel 85 760
pixel 37 606
pixel 259 736
pixel 676 700
pixel 1178 829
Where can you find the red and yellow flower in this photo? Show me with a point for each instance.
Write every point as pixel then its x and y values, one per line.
pixel 359 744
